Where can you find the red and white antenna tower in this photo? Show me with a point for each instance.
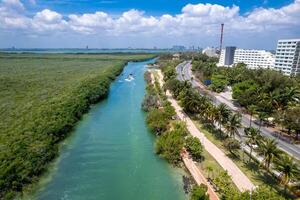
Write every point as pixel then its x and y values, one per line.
pixel 221 38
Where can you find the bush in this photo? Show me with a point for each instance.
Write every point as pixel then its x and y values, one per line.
pixel 149 102
pixel 194 147
pixel 199 193
pixel 169 145
pixel 219 82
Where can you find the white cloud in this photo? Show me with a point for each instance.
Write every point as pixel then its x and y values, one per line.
pixel 13 4
pixel 195 19
pixel 90 23
pixel 48 20
pixel 48 16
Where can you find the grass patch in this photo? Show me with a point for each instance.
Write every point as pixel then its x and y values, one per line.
pixel 251 169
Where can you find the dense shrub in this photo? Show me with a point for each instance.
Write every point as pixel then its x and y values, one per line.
pixel 169 145
pixel 194 147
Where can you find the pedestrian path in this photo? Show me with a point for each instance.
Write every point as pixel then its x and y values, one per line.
pixel 198 176
pixel 238 177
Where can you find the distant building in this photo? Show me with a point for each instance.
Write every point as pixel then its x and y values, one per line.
pixel 210 51
pixel 252 58
pixel 178 48
pixel 176 56
pixel 288 57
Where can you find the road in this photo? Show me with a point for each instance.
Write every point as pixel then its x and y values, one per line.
pixel 184 71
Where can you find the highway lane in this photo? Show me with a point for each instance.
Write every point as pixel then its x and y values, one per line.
pixel 185 74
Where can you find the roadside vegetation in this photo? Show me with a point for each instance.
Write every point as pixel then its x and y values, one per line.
pixel 264 93
pixel 42 97
pixel 223 124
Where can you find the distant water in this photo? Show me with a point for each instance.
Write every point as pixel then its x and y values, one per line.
pixel 10 50
pixel 110 155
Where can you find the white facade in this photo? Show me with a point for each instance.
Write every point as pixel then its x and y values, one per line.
pixel 211 52
pixel 252 58
pixel 287 56
pixel 222 58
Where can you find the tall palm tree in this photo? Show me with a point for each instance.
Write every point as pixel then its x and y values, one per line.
pixel 268 149
pixel 252 109
pixel 262 116
pixel 288 169
pixel 233 124
pixel 223 114
pixel 253 137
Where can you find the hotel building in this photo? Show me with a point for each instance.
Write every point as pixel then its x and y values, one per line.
pixel 288 57
pixel 252 58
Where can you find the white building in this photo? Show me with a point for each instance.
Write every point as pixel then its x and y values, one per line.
pixel 211 52
pixel 287 56
pixel 252 58
pixel 222 59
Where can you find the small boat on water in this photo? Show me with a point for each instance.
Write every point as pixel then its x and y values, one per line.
pixel 129 77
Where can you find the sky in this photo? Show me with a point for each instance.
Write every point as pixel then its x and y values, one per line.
pixel 251 24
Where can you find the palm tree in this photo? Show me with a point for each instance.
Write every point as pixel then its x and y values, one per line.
pixel 268 149
pixel 288 169
pixel 262 116
pixel 212 113
pixel 253 137
pixel 291 94
pixel 274 99
pixel 223 114
pixel 233 123
pixel 252 110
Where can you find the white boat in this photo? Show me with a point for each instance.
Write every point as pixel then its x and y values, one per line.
pixel 129 78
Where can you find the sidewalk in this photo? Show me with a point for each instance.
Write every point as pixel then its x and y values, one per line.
pixel 238 177
pixel 198 176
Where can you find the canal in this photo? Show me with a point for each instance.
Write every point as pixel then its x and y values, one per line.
pixel 110 155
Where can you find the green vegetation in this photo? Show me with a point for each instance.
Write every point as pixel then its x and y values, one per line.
pixel 170 144
pixel 263 92
pixel 223 124
pixel 204 66
pixel 160 119
pixel 199 193
pixel 42 97
pixel 194 147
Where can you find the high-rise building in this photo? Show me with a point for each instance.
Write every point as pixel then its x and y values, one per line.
pixel 288 57
pixel 229 55
pixel 252 58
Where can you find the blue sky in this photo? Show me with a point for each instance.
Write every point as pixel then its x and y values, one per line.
pixel 152 7
pixel 137 23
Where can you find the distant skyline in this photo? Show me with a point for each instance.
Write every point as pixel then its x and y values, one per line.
pixel 145 24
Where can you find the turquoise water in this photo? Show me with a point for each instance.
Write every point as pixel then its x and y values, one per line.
pixel 110 155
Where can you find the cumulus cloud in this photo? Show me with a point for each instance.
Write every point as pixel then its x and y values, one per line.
pixel 194 19
pixel 91 23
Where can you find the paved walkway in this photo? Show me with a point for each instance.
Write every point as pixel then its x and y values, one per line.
pixel 238 177
pixel 198 176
